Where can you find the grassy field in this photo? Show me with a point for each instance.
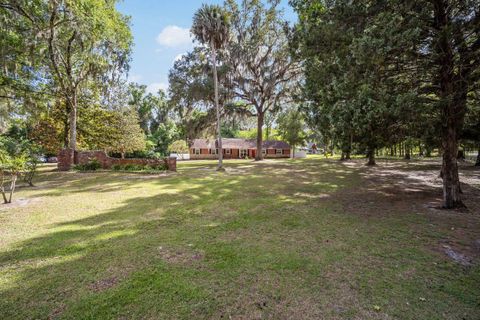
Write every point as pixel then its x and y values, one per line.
pixel 284 239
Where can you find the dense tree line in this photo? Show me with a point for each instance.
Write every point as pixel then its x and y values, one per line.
pixel 379 73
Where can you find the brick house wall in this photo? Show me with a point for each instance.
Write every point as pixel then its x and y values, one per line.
pixel 235 154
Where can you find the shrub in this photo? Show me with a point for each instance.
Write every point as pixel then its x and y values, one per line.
pixel 118 167
pixel 133 167
pixel 160 167
pixel 92 165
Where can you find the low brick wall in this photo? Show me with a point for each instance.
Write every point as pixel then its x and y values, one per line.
pixel 66 159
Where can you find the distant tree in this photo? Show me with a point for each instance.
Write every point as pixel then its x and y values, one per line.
pixel 129 135
pixel 79 42
pixel 46 134
pixel 263 68
pixel 211 26
pixel 165 134
pixel 178 146
pixel 17 157
pixel 191 94
pixel 291 128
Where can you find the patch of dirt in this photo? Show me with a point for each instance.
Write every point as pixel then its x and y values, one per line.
pixel 180 256
pixel 103 284
pixel 457 256
pixel 18 203
pixel 57 312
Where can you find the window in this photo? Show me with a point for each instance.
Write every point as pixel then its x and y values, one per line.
pixel 213 151
pixel 243 153
pixel 228 151
pixel 196 151
pixel 279 151
pixel 264 151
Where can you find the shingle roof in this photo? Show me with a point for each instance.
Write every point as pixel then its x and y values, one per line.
pixel 235 143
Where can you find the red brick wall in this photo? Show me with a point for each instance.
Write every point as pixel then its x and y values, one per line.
pixel 65 159
pixel 83 157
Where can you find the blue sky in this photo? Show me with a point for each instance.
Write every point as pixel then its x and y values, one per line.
pixel 161 34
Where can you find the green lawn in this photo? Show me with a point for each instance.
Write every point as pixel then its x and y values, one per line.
pixel 303 239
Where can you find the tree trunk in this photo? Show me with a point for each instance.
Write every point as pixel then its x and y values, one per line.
pixel 407 153
pixel 12 187
pixel 428 151
pixel 260 118
pixel 217 107
pixel 73 122
pixel 452 103
pixel 477 163
pixel 461 155
pixel 347 155
pixel 2 187
pixel 451 181
pixel 371 157
pixel 342 156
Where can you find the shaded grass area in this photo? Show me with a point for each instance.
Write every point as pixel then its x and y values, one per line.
pixel 298 239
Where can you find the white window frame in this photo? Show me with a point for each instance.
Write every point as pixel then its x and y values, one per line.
pixel 196 151
pixel 243 153
pixel 228 151
pixel 214 151
pixel 277 151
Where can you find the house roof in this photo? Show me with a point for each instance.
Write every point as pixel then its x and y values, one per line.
pixel 235 143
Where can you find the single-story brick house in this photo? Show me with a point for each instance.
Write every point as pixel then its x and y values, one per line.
pixel 237 149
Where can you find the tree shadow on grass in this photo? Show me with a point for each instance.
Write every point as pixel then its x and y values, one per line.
pixel 44 274
pixel 132 251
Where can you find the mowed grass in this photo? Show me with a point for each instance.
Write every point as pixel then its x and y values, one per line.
pixel 271 240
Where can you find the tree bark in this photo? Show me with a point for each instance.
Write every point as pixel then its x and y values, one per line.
pixel 260 119
pixel 407 153
pixel 347 155
pixel 477 163
pixel 73 121
pixel 217 107
pixel 12 187
pixel 371 157
pixel 452 103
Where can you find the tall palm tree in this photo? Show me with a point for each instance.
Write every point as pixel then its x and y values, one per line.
pixel 211 26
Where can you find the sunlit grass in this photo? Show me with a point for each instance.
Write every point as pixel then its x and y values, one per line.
pixel 261 240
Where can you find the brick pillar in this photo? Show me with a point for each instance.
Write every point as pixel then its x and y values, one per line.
pixel 65 159
pixel 171 163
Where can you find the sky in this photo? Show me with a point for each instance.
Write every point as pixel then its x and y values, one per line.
pixel 161 32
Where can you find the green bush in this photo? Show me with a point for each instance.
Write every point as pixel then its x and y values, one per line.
pixel 160 167
pixel 118 167
pixel 139 167
pixel 92 165
pixel 133 167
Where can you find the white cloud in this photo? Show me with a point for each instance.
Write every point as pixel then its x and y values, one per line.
pixel 174 36
pixel 134 77
pixel 179 56
pixel 154 87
